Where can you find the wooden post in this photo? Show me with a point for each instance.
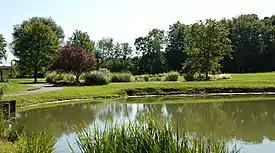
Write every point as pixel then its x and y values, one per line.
pixel 8 108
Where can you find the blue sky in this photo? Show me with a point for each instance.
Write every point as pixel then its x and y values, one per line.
pixel 124 20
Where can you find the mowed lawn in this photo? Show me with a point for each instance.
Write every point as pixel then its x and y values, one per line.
pixel 250 81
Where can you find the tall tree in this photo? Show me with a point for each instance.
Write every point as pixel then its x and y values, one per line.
pixel 74 59
pixel 3 51
pixel 206 44
pixel 82 39
pixel 35 44
pixel 151 50
pixel 3 45
pixel 175 54
pixel 105 48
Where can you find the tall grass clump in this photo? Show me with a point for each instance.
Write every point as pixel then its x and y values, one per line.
pixel 149 137
pixel 36 143
pixel 54 77
pixel 121 77
pixel 222 77
pixel 3 125
pixel 96 78
pixel 172 76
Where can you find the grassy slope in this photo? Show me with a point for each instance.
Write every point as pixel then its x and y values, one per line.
pixel 246 81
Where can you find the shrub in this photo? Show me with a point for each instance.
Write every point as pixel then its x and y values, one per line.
pixel 121 77
pixel 138 78
pixel 55 77
pixel 146 77
pixel 202 77
pixel 189 77
pixel 105 70
pixel 172 76
pixel 155 79
pixel 96 78
pixel 222 77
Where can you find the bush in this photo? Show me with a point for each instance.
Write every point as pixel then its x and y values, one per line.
pixel 189 77
pixel 155 78
pixel 138 78
pixel 96 78
pixel 172 76
pixel 146 77
pixel 221 76
pixel 55 77
pixel 121 77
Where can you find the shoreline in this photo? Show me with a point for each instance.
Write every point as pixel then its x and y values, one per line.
pixel 195 98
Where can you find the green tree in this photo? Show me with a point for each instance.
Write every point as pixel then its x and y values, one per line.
pixel 151 50
pixel 3 45
pixel 35 44
pixel 175 54
pixel 82 39
pixel 25 66
pixel 105 48
pixel 206 44
pixel 3 51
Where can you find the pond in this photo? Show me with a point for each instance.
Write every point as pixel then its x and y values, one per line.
pixel 248 125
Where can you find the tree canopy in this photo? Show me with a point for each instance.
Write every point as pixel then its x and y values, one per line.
pixel 35 44
pixel 82 39
pixel 74 59
pixel 206 44
pixel 3 45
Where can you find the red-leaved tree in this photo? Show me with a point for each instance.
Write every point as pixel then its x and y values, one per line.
pixel 73 59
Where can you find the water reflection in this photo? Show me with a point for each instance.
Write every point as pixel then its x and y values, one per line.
pixel 248 122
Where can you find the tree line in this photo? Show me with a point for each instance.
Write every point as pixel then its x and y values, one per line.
pixel 241 44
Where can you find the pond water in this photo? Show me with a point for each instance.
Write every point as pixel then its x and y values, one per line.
pixel 248 125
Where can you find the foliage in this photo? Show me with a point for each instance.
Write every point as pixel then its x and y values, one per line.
pixel 3 51
pixel 207 44
pixel 152 136
pixel 82 39
pixel 139 78
pixel 76 60
pixel 175 53
pixel 189 77
pixel 155 78
pixel 151 48
pixel 222 76
pixel 35 44
pixel 146 77
pixel 54 77
pixel 172 76
pixel 254 42
pixel 36 143
pixel 121 77
pixel 96 78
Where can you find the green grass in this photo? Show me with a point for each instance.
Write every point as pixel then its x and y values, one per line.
pixel 16 87
pixel 8 147
pixel 238 83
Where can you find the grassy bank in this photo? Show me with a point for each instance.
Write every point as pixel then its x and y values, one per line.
pixel 262 82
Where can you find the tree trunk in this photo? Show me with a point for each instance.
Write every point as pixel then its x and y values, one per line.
pixel 35 73
pixel 1 71
pixel 77 78
pixel 97 61
pixel 206 75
